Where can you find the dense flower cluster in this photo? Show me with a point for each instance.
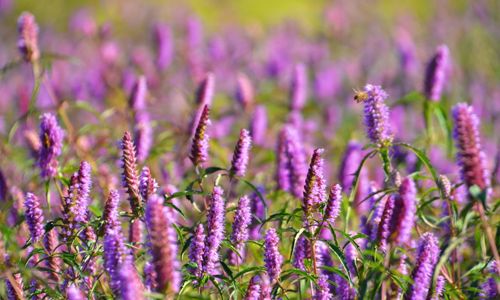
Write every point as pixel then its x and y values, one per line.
pixel 231 161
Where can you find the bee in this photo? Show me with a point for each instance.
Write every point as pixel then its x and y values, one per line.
pixel 360 96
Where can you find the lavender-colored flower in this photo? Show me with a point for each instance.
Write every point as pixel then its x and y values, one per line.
pixel 51 136
pixel 291 162
pixel 244 90
pixel 74 293
pixel 298 87
pixel 199 145
pixel 265 288
pixel 149 276
pixel 301 252
pixel 115 254
pixel 135 234
pixel 34 216
pixel 130 180
pixel 162 245
pixel 323 291
pixel 272 257
pixel 28 37
pixel 215 231
pixel 131 286
pixel 242 220
pixel 376 115
pixel 405 210
pixel 241 154
pixel 350 162
pixel 489 288
pixel 164 45
pixel 258 125
pixel 14 289
pixel 80 191
pixel 385 225
pixel 137 100
pixel 315 186
pixel 110 215
pixel 427 256
pixel 445 186
pixel 52 261
pixel 470 157
pixel 205 91
pixel 147 184
pixel 438 290
pixel 332 209
pixel 402 270
pixel 435 75
pixel 258 214
pixel 197 248
pixel 253 290
pixel 406 50
pixel 345 289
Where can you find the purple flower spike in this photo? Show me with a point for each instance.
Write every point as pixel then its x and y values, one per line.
pixel 215 231
pixel 350 162
pixel 385 224
pixel 164 45
pixel 315 186
pixel 205 91
pixel 15 292
pixel 323 292
pixel 197 248
pixel 147 184
pixel 489 288
pixel 272 257
pixel 438 291
pixel 253 290
pixel 427 256
pixel 258 125
pixel 298 87
pixel 406 208
pixel 377 115
pixel 244 91
pixel 435 75
pixel 80 192
pixel 51 136
pixel 332 210
pixel 258 213
pixel 110 216
pixel 131 285
pixel 199 145
pixel 239 236
pixel 137 100
pixel 34 217
pixel 52 261
pixel 301 253
pixel 162 245
pixel 28 37
pixel 74 293
pixel 470 157
pixel 115 254
pixel 291 169
pixel 241 154
pixel 130 180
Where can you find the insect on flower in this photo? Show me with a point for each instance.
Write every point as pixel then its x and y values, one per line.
pixel 360 96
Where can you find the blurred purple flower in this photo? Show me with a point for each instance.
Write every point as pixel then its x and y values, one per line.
pixel 272 257
pixel 200 141
pixel 197 248
pixel 28 37
pixel 52 137
pixel 164 45
pixel 258 125
pixel 241 154
pixel 377 115
pixel 34 217
pixel 131 287
pixel 215 230
pixel 298 87
pixel 436 73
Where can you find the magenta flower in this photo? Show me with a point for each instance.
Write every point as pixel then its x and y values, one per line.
pixel 244 91
pixel 34 217
pixel 405 211
pixel 258 125
pixel 253 290
pixel 239 236
pixel 470 157
pixel 272 257
pixel 197 248
pixel 205 91
pixel 51 136
pixel 199 144
pixel 131 287
pixel 28 37
pixel 315 186
pixel 377 115
pixel 241 154
pixel 427 256
pixel 130 179
pixel 215 231
pixel 298 87
pixel 436 73
pixel 162 245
